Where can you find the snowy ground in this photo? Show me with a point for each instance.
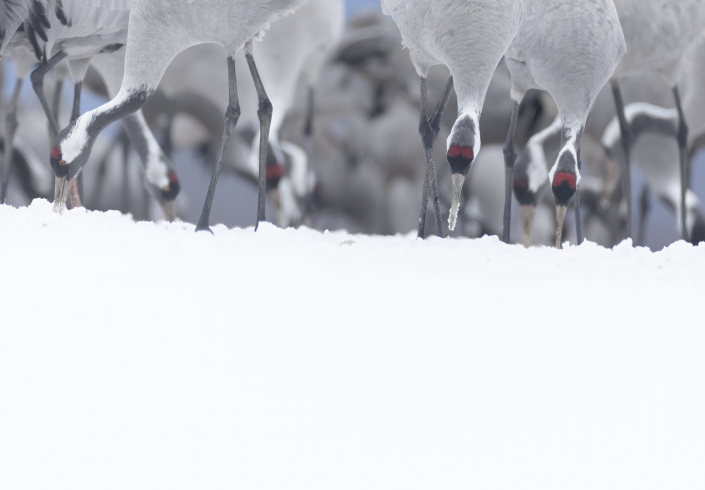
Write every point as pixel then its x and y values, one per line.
pixel 135 355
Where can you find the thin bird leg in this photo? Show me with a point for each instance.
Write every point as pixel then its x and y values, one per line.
pixel 75 113
pixel 429 129
pixel 166 122
pixel 10 129
pixel 55 107
pixel 627 140
pixel 76 110
pixel 510 158
pixel 264 112
pixel 682 137
pixel 56 102
pixel 37 78
pixel 126 175
pixel 232 115
pixel 576 205
pixel 308 138
pixel 435 124
pixel 644 209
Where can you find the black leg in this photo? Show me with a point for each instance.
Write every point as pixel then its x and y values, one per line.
pixel 232 114
pixel 265 120
pixel 308 143
pixel 627 140
pixel 644 208
pixel 166 122
pixel 125 175
pixel 576 205
pixel 682 137
pixel 56 101
pixel 75 113
pixel 37 78
pixel 510 158
pixel 10 129
pixel 424 204
pixel 76 109
pixel 429 129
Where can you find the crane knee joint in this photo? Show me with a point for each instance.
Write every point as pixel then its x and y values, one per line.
pixel 265 108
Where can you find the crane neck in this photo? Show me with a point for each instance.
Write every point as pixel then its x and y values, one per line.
pixel 127 101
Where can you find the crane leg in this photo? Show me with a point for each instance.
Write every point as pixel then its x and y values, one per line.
pixel 264 112
pixel 232 115
pixel 125 176
pixel 76 109
pixel 76 187
pixel 308 139
pixel 682 137
pixel 644 208
pixel 576 206
pixel 10 129
pixel 56 101
pixel 510 158
pixel 37 78
pixel 627 140
pixel 429 129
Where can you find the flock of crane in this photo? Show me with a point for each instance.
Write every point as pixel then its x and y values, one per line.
pixel 569 49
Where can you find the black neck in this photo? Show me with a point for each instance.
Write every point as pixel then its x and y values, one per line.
pixel 128 105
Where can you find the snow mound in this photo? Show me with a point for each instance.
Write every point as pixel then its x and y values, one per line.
pixel 142 355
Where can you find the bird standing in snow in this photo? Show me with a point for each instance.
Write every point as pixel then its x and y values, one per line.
pixel 295 47
pixel 469 37
pixel 74 30
pixel 158 31
pixel 570 49
pixel 658 34
pixel 78 31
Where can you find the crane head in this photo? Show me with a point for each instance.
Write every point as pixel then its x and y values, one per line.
pixel 564 178
pixel 463 145
pixel 69 154
pixel 168 195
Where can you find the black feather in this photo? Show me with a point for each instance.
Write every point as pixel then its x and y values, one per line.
pixel 60 14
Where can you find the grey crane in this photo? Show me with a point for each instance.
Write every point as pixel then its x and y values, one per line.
pixel 570 49
pixel 658 34
pixel 469 37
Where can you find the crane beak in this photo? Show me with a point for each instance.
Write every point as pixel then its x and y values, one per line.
pixel 458 181
pixel 61 192
pixel 527 217
pixel 560 220
pixel 169 210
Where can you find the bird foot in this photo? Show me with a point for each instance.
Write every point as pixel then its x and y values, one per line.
pixel 204 227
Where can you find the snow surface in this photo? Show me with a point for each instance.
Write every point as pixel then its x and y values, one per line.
pixel 141 355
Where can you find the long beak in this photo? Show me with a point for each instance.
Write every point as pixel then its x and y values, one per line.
pixel 458 181
pixel 527 217
pixel 169 210
pixel 560 220
pixel 61 192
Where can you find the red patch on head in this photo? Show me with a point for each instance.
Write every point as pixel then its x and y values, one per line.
pixel 561 177
pixel 274 172
pixel 55 153
pixel 465 152
pixel 521 184
pixel 173 177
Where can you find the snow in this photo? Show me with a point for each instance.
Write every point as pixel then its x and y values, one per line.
pixel 141 355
